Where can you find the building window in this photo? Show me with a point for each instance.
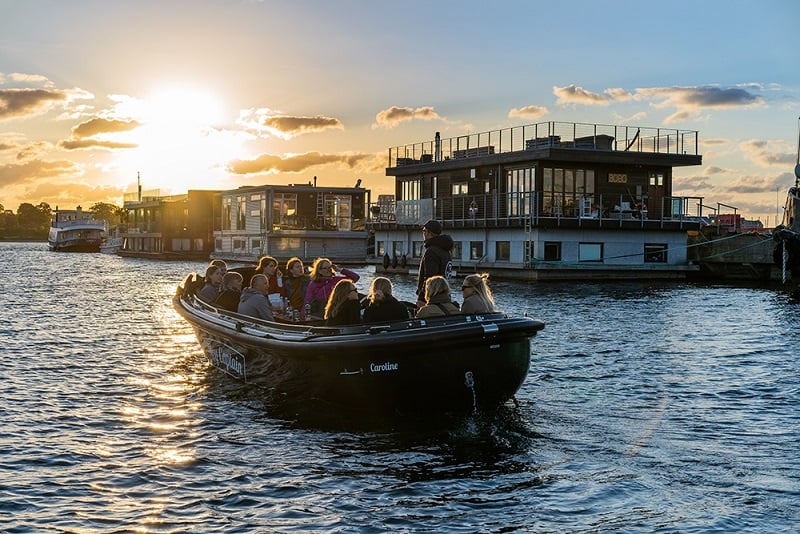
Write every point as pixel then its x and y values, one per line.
pixel 460 189
pixel 255 244
pixel 520 184
pixel 218 245
pixel 417 248
pixel 456 252
pixel 552 250
pixel 656 179
pixel 655 253
pixel 241 212
pixel 380 249
pixel 226 213
pixel 398 248
pixel 502 251
pixel 239 245
pixel 563 190
pixel 590 252
pixel 284 210
pixel 475 250
pixel 410 189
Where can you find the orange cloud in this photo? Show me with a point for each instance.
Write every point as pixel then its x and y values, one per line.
pixel 299 125
pixel 528 112
pixel 87 144
pixel 36 169
pixel 762 153
pixel 269 163
pixel 99 126
pixel 389 118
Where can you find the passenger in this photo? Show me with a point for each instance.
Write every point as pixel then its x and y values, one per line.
pixel 324 278
pixel 436 260
pixel 268 266
pixel 254 299
pixel 231 292
pixel 437 298
pixel 343 307
pixel 210 291
pixel 221 264
pixel 477 295
pixel 295 284
pixel 382 306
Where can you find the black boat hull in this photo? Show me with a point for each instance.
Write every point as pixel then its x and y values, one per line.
pixel 460 363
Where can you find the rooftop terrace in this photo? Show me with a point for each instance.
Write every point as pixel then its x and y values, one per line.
pixel 546 135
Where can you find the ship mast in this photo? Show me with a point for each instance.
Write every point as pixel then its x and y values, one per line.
pixel 797 165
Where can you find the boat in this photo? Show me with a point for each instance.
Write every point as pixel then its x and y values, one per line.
pixel 75 231
pixel 453 364
pixel 112 242
pixel 787 234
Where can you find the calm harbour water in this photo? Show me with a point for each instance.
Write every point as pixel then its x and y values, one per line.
pixel 668 407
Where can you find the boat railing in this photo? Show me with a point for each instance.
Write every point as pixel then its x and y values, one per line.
pixel 545 135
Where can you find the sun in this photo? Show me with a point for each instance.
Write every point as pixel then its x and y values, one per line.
pixel 181 142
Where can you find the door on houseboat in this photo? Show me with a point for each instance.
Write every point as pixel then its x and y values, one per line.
pixel 337 213
pixel 655 194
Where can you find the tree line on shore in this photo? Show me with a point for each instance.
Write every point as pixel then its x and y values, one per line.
pixel 32 222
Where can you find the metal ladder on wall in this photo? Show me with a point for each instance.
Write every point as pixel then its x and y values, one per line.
pixel 528 234
pixel 321 209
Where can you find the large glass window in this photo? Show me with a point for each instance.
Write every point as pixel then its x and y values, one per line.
pixel 241 212
pixel 226 213
pixel 284 210
pixel 410 189
pixel 456 252
pixel 565 190
pixel 520 185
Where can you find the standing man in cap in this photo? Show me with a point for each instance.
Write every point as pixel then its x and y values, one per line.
pixel 436 259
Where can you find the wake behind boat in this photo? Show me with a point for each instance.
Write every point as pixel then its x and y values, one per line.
pixel 456 363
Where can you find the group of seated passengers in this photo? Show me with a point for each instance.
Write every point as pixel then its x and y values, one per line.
pixel 330 293
pixel 344 308
pixel 267 289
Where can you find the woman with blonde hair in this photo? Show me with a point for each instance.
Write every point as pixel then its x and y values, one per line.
pixel 343 307
pixel 438 302
pixel 381 305
pixel 477 295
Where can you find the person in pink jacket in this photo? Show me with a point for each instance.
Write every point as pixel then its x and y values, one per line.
pixel 324 277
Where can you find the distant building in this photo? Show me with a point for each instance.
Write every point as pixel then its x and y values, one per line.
pixel 169 227
pixel 282 221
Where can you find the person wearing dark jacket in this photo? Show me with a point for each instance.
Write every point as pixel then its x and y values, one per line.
pixel 381 305
pixel 231 292
pixel 436 259
pixel 343 306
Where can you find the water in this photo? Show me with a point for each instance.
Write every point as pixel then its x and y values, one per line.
pixel 669 407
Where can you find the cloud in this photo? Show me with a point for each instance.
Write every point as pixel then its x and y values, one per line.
pixel 711 170
pixel 15 103
pixel 99 126
pixel 269 163
pixel 292 126
pixel 691 183
pixel 759 184
pixel 268 121
pixel 762 153
pixel 528 112
pixel 87 144
pixel 687 101
pixel 389 118
pixel 36 169
pixel 572 94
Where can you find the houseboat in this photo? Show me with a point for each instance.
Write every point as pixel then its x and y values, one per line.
pixel 304 220
pixel 546 201
pixel 168 227
pixel 75 231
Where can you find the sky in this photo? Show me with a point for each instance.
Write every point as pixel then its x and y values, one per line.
pixel 210 94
